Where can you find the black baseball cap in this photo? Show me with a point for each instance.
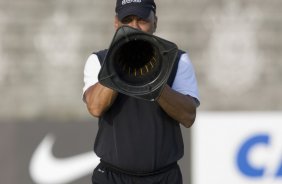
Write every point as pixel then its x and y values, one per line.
pixel 140 8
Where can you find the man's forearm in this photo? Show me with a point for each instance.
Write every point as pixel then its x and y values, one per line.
pixel 99 98
pixel 180 107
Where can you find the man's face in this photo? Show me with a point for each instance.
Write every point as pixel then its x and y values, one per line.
pixel 148 25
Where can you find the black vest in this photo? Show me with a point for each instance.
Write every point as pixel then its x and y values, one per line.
pixel 137 135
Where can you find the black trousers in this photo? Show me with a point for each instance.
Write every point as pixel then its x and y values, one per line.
pixel 103 174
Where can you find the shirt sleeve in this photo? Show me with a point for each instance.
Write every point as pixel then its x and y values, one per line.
pixel 91 71
pixel 185 81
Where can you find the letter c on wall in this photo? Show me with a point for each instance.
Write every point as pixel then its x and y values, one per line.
pixel 242 156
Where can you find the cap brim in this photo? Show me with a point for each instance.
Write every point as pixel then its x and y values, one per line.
pixel 142 12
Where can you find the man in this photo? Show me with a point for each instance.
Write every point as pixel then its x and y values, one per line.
pixel 140 141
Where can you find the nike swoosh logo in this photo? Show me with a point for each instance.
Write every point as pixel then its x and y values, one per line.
pixel 46 169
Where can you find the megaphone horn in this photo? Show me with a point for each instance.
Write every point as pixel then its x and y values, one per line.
pixel 137 64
